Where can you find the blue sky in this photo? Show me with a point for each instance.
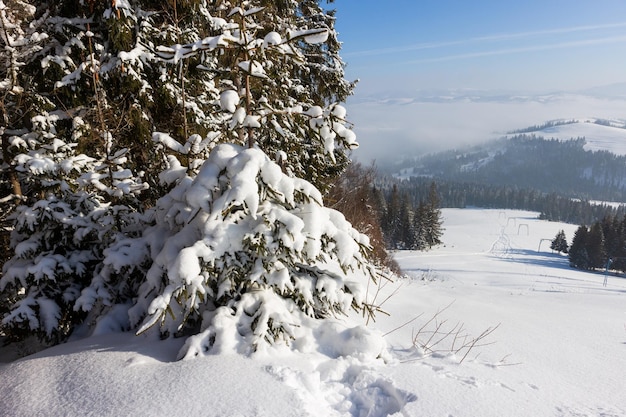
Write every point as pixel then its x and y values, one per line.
pixel 529 45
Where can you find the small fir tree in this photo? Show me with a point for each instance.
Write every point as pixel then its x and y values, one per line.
pixel 559 243
pixel 248 254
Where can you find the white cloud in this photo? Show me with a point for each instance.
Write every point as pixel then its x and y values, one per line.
pixel 530 48
pixel 490 39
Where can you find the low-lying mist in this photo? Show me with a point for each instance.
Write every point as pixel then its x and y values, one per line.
pixel 389 128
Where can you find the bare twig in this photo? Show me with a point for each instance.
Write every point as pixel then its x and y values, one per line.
pixel 437 335
pixel 473 343
pixel 372 306
pixel 404 324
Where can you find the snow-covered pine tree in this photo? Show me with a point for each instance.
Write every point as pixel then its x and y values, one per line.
pixel 50 240
pixel 94 87
pixel 19 40
pixel 250 253
pixel 65 141
pixel 278 70
pixel 239 245
pixel 16 45
pixel 244 251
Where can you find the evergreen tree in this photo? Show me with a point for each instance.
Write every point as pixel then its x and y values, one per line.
pixel 596 246
pixel 420 229
pixel 614 240
pixel 578 254
pixel 137 205
pixel 18 40
pixel 391 220
pixel 559 243
pixel 404 237
pixel 427 221
pixel 433 220
pixel 409 227
pixel 619 256
pixel 294 46
pixel 76 156
pixel 593 249
pixel 253 257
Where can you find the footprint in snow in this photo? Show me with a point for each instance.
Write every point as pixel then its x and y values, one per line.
pixel 342 388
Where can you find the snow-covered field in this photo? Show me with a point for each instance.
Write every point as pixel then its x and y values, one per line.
pixel 598 137
pixel 559 348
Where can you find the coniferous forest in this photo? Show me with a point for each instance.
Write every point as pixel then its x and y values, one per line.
pixel 557 179
pixel 529 162
pixel 602 245
pixel 409 224
pixel 551 206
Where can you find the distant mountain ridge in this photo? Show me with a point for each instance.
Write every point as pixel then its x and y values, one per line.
pixel 612 91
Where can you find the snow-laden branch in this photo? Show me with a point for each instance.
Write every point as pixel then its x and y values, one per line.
pixel 240 229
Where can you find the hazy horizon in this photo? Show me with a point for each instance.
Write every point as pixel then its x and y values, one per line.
pixel 389 127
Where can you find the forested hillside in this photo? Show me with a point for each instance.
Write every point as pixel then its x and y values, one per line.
pixel 532 162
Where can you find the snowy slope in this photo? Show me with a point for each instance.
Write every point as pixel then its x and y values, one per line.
pixel 559 350
pixel 563 330
pixel 598 137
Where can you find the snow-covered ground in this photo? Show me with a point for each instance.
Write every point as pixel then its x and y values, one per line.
pixel 598 137
pixel 559 348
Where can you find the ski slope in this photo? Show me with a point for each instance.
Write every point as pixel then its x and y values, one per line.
pixel 556 347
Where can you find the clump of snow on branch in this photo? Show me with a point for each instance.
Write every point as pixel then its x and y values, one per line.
pixel 273 117
pixel 238 251
pixel 54 257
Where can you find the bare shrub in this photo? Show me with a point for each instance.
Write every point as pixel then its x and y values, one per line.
pixel 352 194
pixel 438 336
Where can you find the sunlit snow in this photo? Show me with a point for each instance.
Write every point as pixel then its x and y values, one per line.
pixel 558 350
pixel 598 137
